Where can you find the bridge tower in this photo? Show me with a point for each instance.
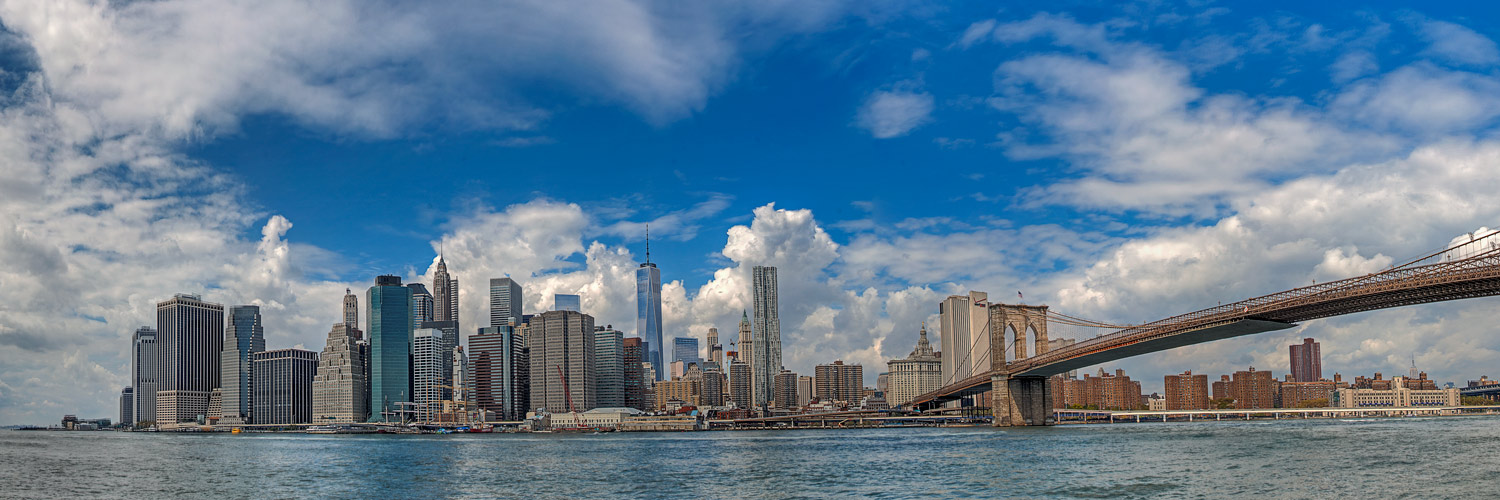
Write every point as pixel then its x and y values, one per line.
pixel 1018 401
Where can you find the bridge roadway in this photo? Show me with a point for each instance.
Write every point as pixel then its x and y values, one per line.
pixel 1476 274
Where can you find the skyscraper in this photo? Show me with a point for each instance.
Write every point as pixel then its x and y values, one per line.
pixel 766 334
pixel 566 302
pixel 389 314
pixel 784 389
pixel 839 382
pixel 1307 361
pixel 190 338
pixel 635 375
pixel 561 347
pixel 715 349
pixel 740 384
pixel 143 374
pixel 499 362
pixel 351 309
pixel 422 305
pixel 685 349
pixel 283 383
pixel 430 362
pixel 648 312
pixel 448 337
pixel 965 336
pixel 746 349
pixel 444 293
pixel 340 390
pixel 505 302
pixel 127 406
pixel 243 336
pixel 609 356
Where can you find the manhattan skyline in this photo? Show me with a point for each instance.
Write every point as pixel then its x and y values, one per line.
pixel 1121 164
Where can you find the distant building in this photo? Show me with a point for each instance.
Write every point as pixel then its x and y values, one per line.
pixel 243 336
pixel 1186 392
pixel 1306 361
pixel 711 393
pixel 500 366
pixel 422 305
pixel 566 302
pixel 431 358
pixel 883 383
pixel 561 345
pixel 282 381
pixel 648 314
pixel 684 391
pixel 143 375
pixel 740 384
pixel 636 378
pixel 1299 394
pixel 127 406
pixel 390 337
pixel 715 350
pixel 1398 397
pixel 1111 392
pixel 506 302
pixel 190 338
pixel 766 331
pixel 839 382
pixel 1253 389
pixel 444 293
pixel 964 333
pixel 341 393
pixel 784 390
pixel 609 368
pixel 919 373
pixel 351 309
pixel 1158 404
pixel 685 349
pixel 806 387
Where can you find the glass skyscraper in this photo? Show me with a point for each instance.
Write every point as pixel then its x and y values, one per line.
pixel 423 308
pixel 685 349
pixel 243 336
pixel 505 301
pixel 566 302
pixel 389 319
pixel 648 314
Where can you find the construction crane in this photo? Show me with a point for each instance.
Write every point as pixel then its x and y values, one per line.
pixel 568 394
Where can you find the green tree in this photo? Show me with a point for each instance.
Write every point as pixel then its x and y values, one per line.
pixel 1476 401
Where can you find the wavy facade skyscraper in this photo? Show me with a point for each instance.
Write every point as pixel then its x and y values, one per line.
pixel 766 334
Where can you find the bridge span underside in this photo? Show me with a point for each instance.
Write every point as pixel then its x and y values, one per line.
pixel 1105 354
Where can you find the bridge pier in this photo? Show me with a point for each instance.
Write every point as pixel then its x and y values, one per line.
pixel 1021 401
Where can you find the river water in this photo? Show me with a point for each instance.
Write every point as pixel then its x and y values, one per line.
pixel 1438 457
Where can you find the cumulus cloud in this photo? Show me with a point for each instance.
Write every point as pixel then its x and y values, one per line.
pixel 888 114
pixel 1458 43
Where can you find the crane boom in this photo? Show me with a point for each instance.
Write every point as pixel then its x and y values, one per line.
pixel 568 394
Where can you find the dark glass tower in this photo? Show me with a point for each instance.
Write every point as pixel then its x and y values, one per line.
pixel 390 310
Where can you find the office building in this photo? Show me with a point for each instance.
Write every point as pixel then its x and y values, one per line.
pixel 715 349
pixel 444 293
pixel 784 390
pixel 421 305
pixel 562 353
pixel 839 382
pixel 648 313
pixel 243 336
pixel 282 381
pixel 127 406
pixel 1253 389
pixel 675 393
pixel 341 391
pixel 143 375
pixel 431 362
pixel 740 384
pixel 685 349
pixel 965 336
pixel 1187 391
pixel 1398 396
pixel 806 387
pixel 766 333
pixel 505 302
pixel 745 347
pixel 190 336
pixel 566 302
pixel 1307 361
pixel 351 309
pixel 609 371
pixel 919 373
pixel 636 378
pixel 389 316
pixel 499 363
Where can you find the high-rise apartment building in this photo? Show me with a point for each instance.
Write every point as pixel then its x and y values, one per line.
pixel 766 332
pixel 1187 391
pixel 499 362
pixel 919 373
pixel 1307 361
pixel 340 390
pixel 740 384
pixel 1253 389
pixel 609 371
pixel 964 330
pixel 839 382
pixel 351 309
pixel 283 383
pixel 711 392
pixel 390 334
pixel 567 302
pixel 143 374
pixel 127 406
pixel 505 302
pixel 636 379
pixel 685 349
pixel 806 387
pixel 648 314
pixel 189 339
pixel 422 305
pixel 243 336
pixel 1221 388
pixel 561 344
pixel 444 293
pixel 784 389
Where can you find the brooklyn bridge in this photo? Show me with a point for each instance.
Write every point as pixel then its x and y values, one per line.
pixel 1019 387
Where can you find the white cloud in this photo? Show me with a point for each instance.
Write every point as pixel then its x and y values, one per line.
pixel 888 114
pixel 1457 43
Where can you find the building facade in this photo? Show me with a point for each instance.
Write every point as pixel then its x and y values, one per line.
pixel 648 315
pixel 1307 394
pixel 1397 397
pixel 609 371
pixel 921 372
pixel 506 302
pixel 243 336
pixel 351 309
pixel 839 382
pixel 806 387
pixel 390 334
pixel 740 384
pixel 685 349
pixel 766 332
pixel 1306 361
pixel 282 381
pixel 422 305
pixel 562 355
pixel 1253 389
pixel 784 390
pixel 341 393
pixel 431 361
pixel 636 378
pixel 1110 392
pixel 964 335
pixel 715 349
pixel 127 406
pixel 143 374
pixel 444 293
pixel 189 340
pixel 567 302
pixel 685 391
pixel 499 363
pixel 1186 391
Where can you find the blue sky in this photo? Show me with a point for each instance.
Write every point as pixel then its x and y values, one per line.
pixel 1117 161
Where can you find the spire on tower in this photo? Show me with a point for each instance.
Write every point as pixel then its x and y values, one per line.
pixel 648 243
